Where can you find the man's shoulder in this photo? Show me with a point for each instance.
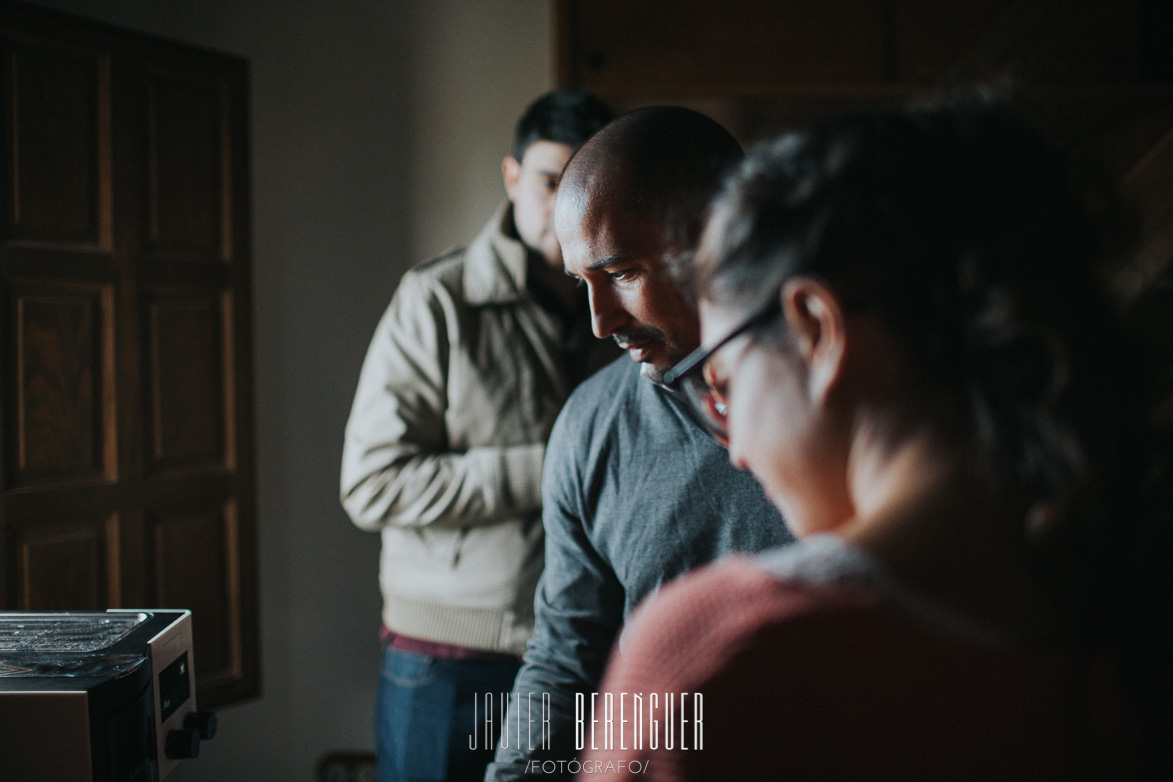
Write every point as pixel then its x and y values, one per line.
pixel 445 270
pixel 435 285
pixel 612 386
pixel 593 414
pixel 490 270
pixel 448 266
pixel 611 413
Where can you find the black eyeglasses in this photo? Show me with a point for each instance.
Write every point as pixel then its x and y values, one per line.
pixel 687 377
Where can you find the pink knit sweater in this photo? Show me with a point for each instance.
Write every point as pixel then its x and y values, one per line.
pixel 801 682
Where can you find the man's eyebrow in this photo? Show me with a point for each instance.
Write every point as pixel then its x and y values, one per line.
pixel 607 261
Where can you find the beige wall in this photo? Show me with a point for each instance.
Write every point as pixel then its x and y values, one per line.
pixel 464 55
pixel 378 128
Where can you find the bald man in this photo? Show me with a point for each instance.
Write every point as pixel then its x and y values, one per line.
pixel 636 489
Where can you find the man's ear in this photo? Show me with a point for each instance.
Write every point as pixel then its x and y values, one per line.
pixel 815 319
pixel 511 171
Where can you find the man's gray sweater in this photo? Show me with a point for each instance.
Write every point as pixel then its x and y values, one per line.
pixel 635 493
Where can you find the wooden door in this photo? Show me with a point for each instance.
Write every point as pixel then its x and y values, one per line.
pixel 1096 75
pixel 125 407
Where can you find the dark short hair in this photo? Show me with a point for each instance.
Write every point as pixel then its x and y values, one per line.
pixel 563 116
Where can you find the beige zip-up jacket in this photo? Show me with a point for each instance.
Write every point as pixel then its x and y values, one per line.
pixel 443 450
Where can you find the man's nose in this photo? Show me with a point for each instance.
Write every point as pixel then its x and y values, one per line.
pixel 606 311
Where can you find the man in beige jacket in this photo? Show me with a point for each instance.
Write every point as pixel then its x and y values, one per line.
pixel 443 454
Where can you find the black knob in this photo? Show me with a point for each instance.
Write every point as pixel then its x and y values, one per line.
pixel 182 743
pixel 203 722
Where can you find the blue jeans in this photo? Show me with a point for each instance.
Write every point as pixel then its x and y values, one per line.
pixel 425 714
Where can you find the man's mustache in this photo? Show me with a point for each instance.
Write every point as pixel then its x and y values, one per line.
pixel 629 337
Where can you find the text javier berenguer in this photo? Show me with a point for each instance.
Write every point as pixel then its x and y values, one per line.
pixel 673 720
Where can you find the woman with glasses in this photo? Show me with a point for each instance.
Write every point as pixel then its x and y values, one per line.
pixel 908 341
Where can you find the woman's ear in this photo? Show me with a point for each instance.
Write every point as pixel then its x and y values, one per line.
pixel 815 318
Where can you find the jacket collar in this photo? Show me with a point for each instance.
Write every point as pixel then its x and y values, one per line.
pixel 496 264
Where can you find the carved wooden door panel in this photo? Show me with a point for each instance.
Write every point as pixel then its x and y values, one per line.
pixel 125 402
